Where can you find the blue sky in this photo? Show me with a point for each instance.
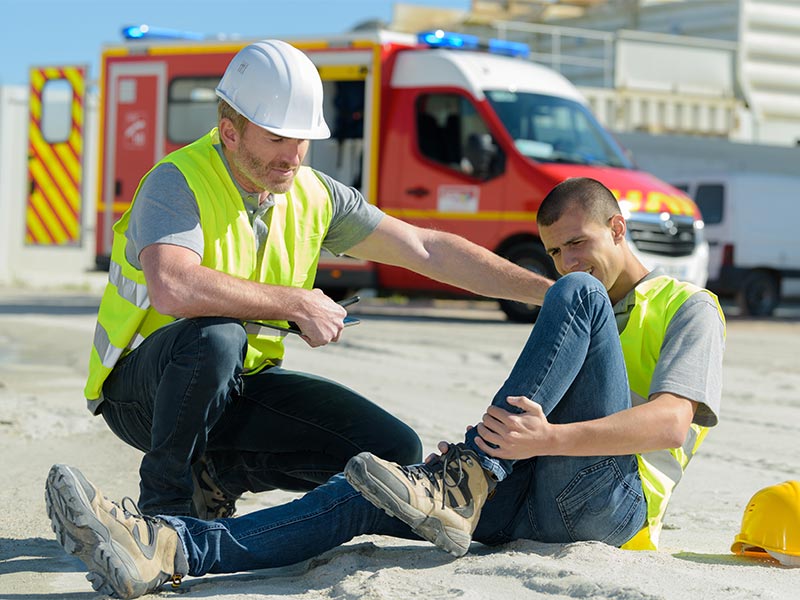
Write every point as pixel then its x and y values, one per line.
pixel 60 32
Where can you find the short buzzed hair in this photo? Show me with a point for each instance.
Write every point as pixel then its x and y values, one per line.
pixel 582 193
pixel 226 111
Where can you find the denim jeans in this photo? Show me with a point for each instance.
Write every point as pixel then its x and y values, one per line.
pixel 180 397
pixel 572 365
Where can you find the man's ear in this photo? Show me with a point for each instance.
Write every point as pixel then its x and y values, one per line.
pixel 228 134
pixel 618 227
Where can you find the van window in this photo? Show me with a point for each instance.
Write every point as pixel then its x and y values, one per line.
pixel 191 108
pixel 553 129
pixel 710 199
pixel 451 132
pixel 684 187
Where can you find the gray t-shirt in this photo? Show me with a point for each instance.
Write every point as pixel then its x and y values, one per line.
pixel 166 212
pixel 690 363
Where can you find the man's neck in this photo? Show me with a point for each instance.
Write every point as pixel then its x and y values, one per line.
pixel 630 277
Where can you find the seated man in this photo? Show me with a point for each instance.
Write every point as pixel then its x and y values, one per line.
pixel 608 401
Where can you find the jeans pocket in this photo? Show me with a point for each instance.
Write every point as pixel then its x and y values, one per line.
pixel 600 503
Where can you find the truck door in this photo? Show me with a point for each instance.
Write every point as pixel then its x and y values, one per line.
pixel 441 168
pixel 347 155
pixel 134 122
pixel 55 156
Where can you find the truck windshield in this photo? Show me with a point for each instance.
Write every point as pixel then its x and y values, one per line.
pixel 550 129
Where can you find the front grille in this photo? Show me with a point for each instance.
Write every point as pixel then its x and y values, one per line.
pixel 652 234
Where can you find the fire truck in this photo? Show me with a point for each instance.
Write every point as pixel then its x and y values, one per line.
pixel 442 130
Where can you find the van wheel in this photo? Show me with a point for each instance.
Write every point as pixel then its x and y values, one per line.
pixel 531 256
pixel 760 294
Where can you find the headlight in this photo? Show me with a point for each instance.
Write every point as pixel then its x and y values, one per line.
pixel 699 231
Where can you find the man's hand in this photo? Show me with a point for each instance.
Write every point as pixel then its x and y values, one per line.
pixel 443 448
pixel 322 319
pixel 517 436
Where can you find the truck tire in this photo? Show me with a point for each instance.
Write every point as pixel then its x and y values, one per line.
pixel 760 293
pixel 531 256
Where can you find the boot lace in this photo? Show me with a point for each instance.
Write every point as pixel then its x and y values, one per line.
pixel 436 471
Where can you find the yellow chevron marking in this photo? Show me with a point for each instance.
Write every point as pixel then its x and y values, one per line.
pixel 57 201
pixel 48 219
pixel 38 232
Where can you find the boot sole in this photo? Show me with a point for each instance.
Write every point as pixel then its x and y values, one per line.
pixel 82 534
pixel 427 527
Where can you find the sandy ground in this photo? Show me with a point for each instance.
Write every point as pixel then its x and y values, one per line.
pixel 435 367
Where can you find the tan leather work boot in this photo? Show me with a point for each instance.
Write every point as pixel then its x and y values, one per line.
pixel 441 501
pixel 209 500
pixel 127 554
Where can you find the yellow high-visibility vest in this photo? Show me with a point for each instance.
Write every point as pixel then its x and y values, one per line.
pixel 657 301
pixel 297 224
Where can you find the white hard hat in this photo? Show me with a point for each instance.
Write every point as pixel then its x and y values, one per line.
pixel 277 87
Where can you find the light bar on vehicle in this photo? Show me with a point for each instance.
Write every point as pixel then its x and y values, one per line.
pixel 438 38
pixel 140 32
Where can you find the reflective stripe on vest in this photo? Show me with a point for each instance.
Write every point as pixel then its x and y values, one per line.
pixel 297 224
pixel 657 301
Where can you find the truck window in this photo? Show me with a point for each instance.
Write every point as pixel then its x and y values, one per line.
pixel 451 132
pixel 684 187
pixel 710 200
pixel 551 129
pixel 191 108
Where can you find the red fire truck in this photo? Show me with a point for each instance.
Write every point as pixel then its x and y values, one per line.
pixel 441 130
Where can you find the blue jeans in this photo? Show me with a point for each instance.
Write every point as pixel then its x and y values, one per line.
pixel 572 365
pixel 180 396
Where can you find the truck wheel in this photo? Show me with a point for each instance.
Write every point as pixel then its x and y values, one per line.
pixel 531 256
pixel 760 294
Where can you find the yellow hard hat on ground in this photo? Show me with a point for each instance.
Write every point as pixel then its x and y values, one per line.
pixel 771 524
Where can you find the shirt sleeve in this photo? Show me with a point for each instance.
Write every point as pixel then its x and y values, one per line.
pixel 690 364
pixel 165 212
pixel 353 217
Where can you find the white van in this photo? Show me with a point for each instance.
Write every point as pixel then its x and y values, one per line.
pixel 751 227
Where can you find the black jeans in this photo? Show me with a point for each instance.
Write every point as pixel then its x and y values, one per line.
pixel 180 397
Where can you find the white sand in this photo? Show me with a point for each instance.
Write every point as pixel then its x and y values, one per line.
pixel 437 374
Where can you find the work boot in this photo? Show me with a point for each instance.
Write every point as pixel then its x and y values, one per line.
pixel 441 500
pixel 127 554
pixel 209 501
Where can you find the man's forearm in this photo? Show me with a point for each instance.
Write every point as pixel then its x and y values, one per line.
pixel 450 259
pixel 456 261
pixel 661 423
pixel 198 291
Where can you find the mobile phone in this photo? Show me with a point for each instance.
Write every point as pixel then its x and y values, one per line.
pixel 349 301
pixel 293 328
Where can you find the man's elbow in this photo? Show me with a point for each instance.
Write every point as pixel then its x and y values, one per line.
pixel 676 436
pixel 168 302
pixel 678 429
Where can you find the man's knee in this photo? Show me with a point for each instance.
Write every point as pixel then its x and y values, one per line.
pixel 220 340
pixel 403 447
pixel 222 332
pixel 574 287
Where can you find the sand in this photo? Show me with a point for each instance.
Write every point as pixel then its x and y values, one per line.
pixel 435 367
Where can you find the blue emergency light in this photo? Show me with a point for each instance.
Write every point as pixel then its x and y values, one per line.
pixel 446 39
pixel 438 38
pixel 141 32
